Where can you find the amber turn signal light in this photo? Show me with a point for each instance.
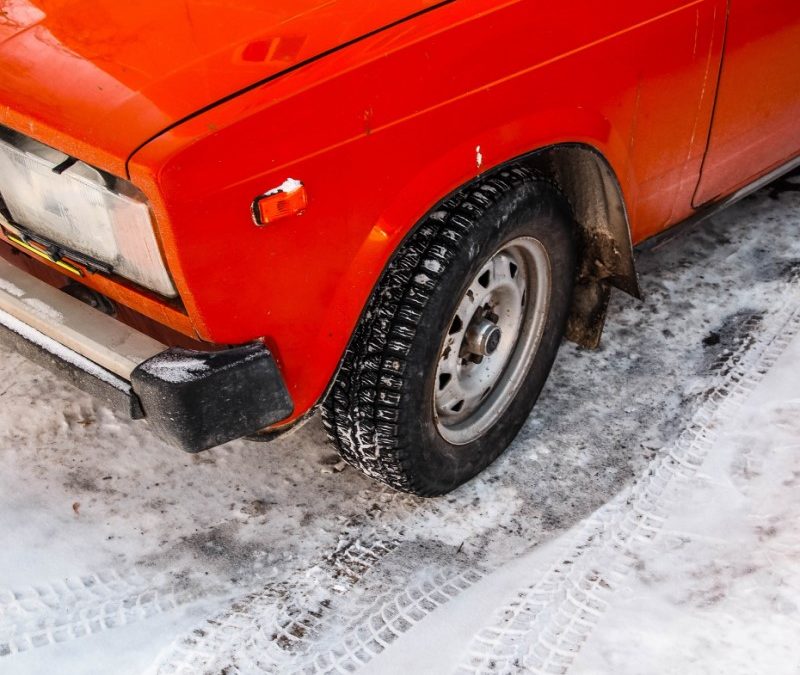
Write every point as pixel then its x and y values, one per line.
pixel 289 199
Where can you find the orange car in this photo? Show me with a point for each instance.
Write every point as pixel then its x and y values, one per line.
pixel 224 215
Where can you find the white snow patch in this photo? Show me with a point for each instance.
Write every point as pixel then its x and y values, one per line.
pixel 44 310
pixel 11 289
pixel 288 186
pixel 433 265
pixel 176 368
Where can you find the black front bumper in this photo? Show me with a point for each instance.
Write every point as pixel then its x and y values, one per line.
pixel 202 399
pixel 194 400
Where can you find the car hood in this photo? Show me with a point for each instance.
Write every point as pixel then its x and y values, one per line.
pixel 101 77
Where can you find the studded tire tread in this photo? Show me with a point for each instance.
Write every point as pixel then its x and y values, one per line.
pixel 362 412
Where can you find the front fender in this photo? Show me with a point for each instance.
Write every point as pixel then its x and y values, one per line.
pixel 379 133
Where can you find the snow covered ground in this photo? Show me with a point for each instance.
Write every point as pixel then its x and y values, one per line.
pixel 646 520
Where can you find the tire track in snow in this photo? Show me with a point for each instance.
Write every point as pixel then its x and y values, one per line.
pixel 367 633
pixel 77 607
pixel 262 631
pixel 386 604
pixel 336 619
pixel 286 623
pixel 544 627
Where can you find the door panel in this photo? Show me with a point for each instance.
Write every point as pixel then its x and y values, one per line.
pixel 756 124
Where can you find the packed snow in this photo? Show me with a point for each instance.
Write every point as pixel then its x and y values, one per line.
pixel 177 367
pixel 646 519
pixel 288 186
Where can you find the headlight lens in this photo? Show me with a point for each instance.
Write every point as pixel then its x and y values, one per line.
pixel 77 210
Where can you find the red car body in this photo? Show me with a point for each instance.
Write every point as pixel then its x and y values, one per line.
pixel 381 110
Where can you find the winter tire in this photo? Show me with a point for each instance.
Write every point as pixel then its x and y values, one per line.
pixel 458 338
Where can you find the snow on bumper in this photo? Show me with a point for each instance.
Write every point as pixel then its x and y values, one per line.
pixel 194 400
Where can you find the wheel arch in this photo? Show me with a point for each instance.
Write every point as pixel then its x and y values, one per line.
pixel 595 195
pixel 587 180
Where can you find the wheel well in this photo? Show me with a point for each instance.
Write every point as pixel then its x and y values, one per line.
pixel 606 253
pixel 605 250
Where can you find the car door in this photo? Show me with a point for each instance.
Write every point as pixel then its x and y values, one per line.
pixel 756 124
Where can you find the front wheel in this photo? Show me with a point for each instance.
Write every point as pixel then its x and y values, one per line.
pixel 458 338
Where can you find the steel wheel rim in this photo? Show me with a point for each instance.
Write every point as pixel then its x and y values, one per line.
pixel 492 340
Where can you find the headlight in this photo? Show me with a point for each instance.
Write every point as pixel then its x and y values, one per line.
pixel 75 208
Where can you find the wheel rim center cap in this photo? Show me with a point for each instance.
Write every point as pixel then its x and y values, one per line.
pixel 483 338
